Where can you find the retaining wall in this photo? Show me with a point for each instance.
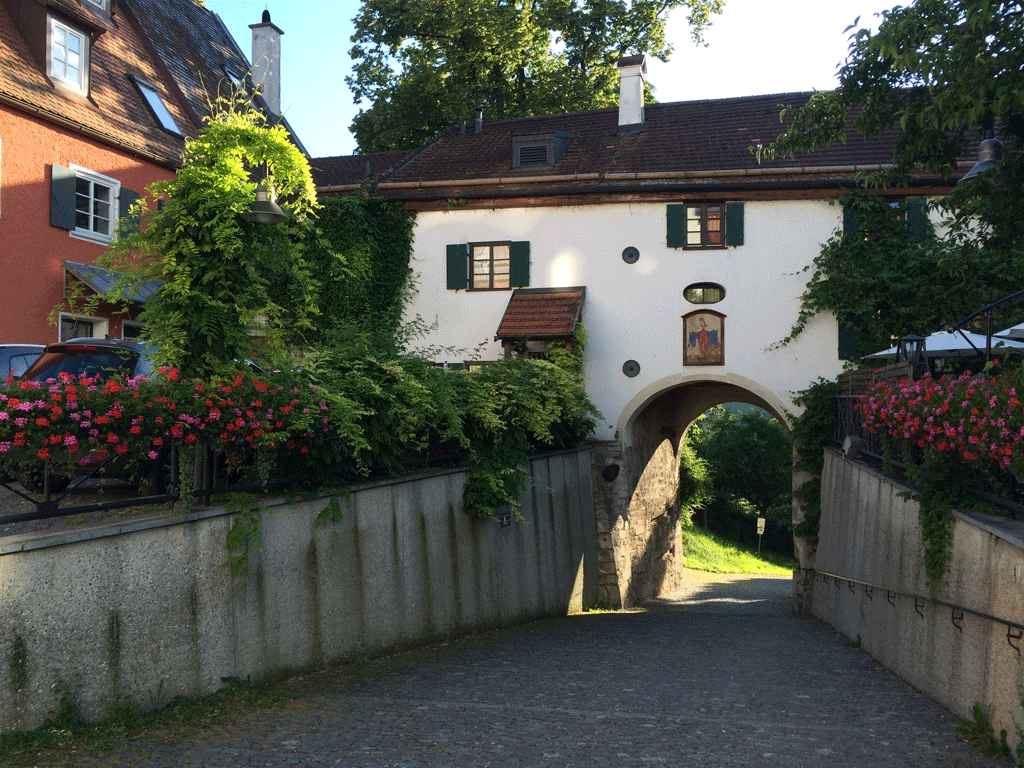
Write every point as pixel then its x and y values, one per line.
pixel 870 535
pixel 150 608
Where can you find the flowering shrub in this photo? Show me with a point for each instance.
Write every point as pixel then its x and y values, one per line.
pixel 86 420
pixel 961 426
pixel 975 419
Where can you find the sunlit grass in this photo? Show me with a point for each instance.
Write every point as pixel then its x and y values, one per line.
pixel 703 551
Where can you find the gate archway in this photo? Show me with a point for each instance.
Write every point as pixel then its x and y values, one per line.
pixel 636 481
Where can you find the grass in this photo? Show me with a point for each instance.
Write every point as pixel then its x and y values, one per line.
pixel 703 551
pixel 65 733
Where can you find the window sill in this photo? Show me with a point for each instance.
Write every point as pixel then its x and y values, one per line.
pixel 94 237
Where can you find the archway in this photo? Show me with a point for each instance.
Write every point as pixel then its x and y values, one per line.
pixel 636 481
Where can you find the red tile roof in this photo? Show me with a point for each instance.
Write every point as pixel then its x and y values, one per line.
pixel 541 313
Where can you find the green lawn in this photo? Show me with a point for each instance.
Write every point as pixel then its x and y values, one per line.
pixel 703 551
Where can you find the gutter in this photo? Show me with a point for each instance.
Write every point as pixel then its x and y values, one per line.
pixel 167 162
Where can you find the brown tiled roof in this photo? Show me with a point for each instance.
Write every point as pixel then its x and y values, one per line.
pixel 694 143
pixel 541 313
pixel 354 170
pixel 114 110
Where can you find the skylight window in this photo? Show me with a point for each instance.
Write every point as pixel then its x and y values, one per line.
pixel 157 107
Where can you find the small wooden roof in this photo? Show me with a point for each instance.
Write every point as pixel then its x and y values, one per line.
pixel 541 313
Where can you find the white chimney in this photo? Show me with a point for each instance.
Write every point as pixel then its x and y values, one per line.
pixel 266 61
pixel 631 93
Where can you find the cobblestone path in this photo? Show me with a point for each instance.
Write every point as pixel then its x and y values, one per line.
pixel 719 676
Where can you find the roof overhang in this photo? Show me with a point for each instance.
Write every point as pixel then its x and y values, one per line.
pixel 541 314
pixel 100 281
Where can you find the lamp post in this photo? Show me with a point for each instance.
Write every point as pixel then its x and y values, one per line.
pixel 911 349
pixel 990 155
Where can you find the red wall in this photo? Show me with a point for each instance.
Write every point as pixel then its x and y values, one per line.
pixel 32 252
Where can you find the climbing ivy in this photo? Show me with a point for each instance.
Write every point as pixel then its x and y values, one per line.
pixel 812 431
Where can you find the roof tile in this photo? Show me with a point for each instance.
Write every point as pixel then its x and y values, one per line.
pixel 541 313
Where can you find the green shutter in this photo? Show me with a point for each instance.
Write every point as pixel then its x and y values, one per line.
pixel 62 197
pixel 458 266
pixel 917 220
pixel 519 264
pixel 734 224
pixel 849 340
pixel 851 224
pixel 128 224
pixel 675 230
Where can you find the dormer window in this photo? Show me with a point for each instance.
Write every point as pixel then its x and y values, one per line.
pixel 101 4
pixel 156 105
pixel 540 151
pixel 68 55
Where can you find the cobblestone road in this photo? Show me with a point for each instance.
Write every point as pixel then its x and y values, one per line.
pixel 722 675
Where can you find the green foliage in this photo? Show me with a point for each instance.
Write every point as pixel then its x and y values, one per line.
pixel 750 458
pixel 425 66
pixel 227 285
pixel 359 252
pixel 812 431
pixel 980 734
pixel 696 489
pixel 945 73
pixel 65 732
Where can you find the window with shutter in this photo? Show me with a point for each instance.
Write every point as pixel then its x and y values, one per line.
pixel 496 266
pixel 705 226
pixel 87 204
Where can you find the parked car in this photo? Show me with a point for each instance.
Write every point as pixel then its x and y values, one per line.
pixel 16 358
pixel 102 357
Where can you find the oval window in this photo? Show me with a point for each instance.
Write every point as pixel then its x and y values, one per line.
pixel 704 293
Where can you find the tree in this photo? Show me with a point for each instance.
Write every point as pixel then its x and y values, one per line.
pixel 946 73
pixel 426 65
pixel 751 461
pixel 227 285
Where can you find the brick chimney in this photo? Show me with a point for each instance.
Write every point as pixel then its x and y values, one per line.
pixel 266 61
pixel 631 93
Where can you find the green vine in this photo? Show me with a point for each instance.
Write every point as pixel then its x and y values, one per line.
pixel 812 431
pixel 244 534
pixel 942 485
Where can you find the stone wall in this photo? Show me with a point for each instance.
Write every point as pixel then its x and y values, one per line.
pixel 871 539
pixel 149 608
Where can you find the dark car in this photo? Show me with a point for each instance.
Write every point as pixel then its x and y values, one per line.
pixel 104 358
pixel 16 358
pixel 94 357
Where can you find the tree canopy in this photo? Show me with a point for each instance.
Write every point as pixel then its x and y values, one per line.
pixel 946 74
pixel 426 65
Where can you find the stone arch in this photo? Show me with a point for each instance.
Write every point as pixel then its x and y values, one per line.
pixel 636 481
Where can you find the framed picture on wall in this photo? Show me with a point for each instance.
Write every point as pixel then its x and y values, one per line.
pixel 704 338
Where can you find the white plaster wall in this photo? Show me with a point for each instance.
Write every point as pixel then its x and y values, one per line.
pixel 634 311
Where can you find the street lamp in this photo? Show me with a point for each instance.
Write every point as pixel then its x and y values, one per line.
pixel 990 155
pixel 265 210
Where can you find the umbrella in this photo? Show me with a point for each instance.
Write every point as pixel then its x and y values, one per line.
pixel 1015 332
pixel 945 344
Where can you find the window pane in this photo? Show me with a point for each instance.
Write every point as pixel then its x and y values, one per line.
pixel 501 267
pixel 481 281
pixel 500 251
pixel 500 281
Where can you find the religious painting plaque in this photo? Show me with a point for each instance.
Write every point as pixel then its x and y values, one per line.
pixel 704 338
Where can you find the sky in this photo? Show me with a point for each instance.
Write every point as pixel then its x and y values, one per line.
pixel 753 47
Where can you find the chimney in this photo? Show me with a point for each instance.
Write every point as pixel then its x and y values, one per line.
pixel 631 93
pixel 478 124
pixel 266 61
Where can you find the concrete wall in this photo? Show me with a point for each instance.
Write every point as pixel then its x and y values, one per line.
pixel 870 534
pixel 127 611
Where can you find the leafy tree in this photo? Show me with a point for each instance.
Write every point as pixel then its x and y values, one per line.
pixel 227 285
pixel 426 65
pixel 945 73
pixel 751 461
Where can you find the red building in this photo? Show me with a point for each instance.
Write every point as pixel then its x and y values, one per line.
pixel 96 100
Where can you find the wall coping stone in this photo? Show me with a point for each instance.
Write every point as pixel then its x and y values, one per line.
pixel 25 542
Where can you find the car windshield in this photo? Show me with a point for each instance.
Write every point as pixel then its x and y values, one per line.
pixel 96 362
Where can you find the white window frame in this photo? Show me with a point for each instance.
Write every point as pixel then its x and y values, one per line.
pixel 132 324
pixel 88 233
pixel 100 325
pixel 82 83
pixel 101 4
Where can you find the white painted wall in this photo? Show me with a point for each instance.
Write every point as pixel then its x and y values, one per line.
pixel 634 311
